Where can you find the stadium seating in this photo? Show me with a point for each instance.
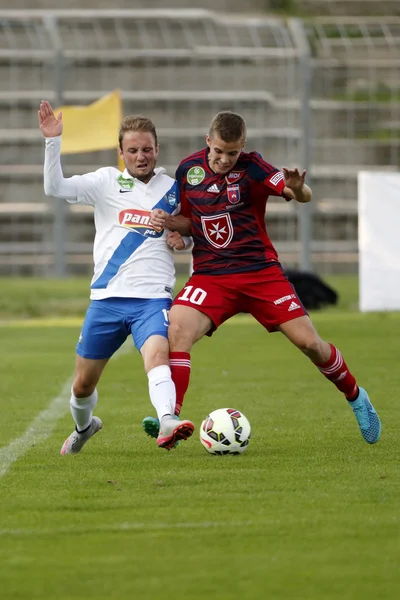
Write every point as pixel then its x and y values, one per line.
pixel 322 94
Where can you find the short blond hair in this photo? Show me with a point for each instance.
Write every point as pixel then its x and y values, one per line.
pixel 136 123
pixel 229 126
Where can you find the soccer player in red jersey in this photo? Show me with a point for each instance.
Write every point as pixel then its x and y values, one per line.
pixel 223 194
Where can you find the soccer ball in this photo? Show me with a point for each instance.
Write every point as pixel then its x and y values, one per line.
pixel 225 431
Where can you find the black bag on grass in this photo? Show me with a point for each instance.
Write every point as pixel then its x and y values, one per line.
pixel 312 291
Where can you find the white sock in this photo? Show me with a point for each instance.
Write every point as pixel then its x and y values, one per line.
pixel 162 390
pixel 82 409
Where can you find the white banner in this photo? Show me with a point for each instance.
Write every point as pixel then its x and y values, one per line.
pixel 379 240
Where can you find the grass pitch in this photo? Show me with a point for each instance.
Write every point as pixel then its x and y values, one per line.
pixel 309 511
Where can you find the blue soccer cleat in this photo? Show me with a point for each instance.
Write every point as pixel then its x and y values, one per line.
pixel 366 416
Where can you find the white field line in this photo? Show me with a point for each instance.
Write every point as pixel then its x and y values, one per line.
pixel 43 424
pixel 131 526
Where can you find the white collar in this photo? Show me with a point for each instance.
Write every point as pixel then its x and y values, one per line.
pixel 157 171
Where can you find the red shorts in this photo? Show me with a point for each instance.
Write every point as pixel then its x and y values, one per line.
pixel 267 295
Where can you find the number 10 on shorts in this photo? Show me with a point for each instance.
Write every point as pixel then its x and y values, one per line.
pixel 193 296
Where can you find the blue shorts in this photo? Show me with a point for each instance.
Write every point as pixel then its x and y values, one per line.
pixel 108 323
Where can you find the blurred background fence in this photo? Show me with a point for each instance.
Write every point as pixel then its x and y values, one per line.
pixel 321 93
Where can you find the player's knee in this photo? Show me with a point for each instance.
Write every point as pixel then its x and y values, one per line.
pixel 178 335
pixel 311 346
pixel 157 358
pixel 175 331
pixel 82 387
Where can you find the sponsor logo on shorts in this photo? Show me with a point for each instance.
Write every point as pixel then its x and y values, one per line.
pixel 195 175
pixel 138 220
pixel 284 299
pixel 293 306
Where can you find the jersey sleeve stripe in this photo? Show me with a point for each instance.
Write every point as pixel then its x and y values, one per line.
pixel 165 204
pixel 127 247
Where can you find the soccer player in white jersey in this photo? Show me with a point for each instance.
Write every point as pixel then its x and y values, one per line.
pixel 134 274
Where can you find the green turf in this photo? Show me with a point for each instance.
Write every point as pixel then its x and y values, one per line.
pixel 309 511
pixel 32 297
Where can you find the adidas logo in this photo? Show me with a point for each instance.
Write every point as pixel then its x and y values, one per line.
pixel 341 376
pixel 213 189
pixel 293 306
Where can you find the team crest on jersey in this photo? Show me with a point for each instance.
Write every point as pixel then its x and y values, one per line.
pixel 195 175
pixel 139 221
pixel 234 176
pixel 233 192
pixel 126 184
pixel 218 229
pixel 171 199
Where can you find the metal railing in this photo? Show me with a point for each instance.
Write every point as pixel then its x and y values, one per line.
pixel 322 94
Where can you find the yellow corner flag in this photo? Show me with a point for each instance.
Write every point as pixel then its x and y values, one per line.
pixel 94 127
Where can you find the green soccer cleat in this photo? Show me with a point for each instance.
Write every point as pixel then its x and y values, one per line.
pixel 367 418
pixel 151 426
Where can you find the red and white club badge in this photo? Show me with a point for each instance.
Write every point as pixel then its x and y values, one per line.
pixel 218 229
pixel 233 192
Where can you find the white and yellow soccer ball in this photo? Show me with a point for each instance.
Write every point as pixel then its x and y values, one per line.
pixel 225 431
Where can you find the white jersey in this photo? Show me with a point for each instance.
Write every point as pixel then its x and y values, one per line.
pixel 131 259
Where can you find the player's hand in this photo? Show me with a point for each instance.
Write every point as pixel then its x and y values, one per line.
pixel 158 218
pixel 294 180
pixel 50 125
pixel 175 240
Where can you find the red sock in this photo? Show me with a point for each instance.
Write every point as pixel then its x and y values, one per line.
pixel 179 363
pixel 336 370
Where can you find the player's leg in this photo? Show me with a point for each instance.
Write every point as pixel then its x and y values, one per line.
pixel 103 332
pixel 187 326
pixel 168 429
pixel 198 309
pixel 82 403
pixel 272 300
pixel 150 333
pixel 203 304
pixel 331 364
pixel 155 353
pixel 193 323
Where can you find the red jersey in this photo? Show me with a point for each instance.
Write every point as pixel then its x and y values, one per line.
pixel 227 212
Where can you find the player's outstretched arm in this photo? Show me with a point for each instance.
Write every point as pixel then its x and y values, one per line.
pixel 55 183
pixel 295 186
pixel 49 124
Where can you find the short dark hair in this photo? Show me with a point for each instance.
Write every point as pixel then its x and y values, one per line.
pixel 229 126
pixel 136 123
